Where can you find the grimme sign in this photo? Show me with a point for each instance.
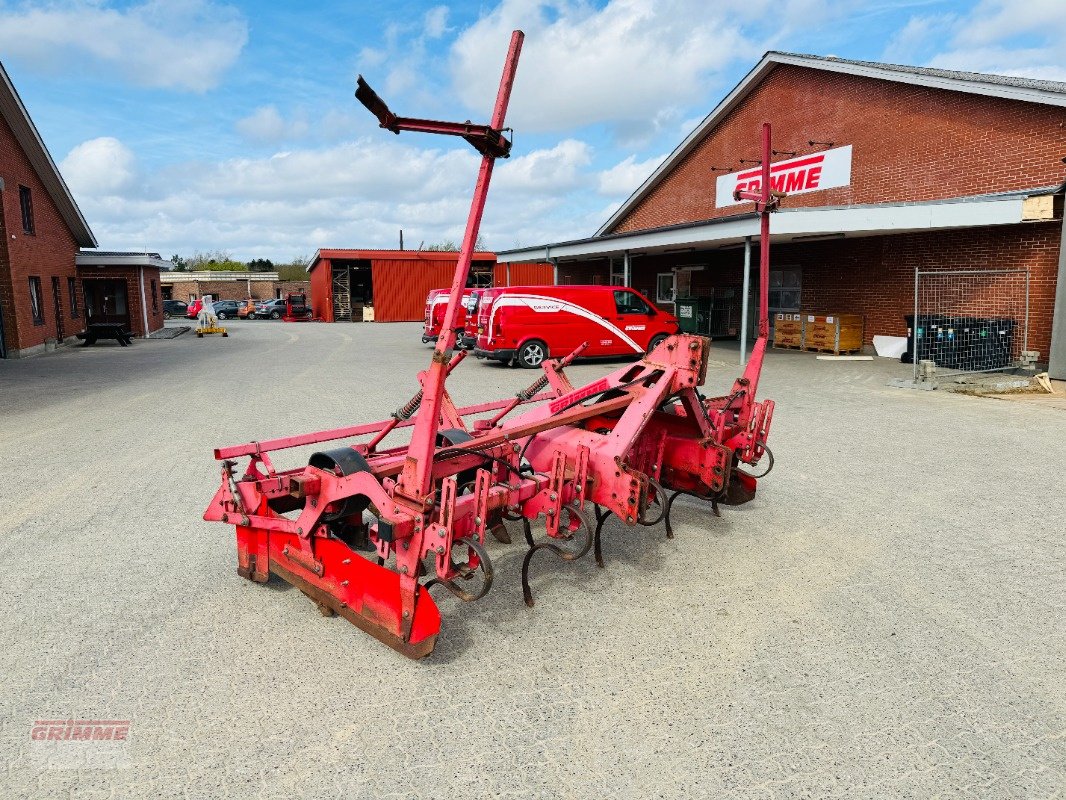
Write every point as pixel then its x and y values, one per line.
pixel 810 173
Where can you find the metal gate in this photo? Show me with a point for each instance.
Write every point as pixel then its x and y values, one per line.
pixel 342 293
pixel 969 320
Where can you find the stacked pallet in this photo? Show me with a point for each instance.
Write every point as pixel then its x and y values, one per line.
pixel 788 331
pixel 818 333
pixel 832 333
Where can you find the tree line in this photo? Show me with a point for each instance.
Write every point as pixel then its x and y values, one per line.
pixel 223 261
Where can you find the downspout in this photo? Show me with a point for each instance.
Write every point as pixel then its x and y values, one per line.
pixel 144 302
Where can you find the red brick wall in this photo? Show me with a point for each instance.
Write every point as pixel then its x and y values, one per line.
pixel 235 290
pixel 293 287
pixel 48 252
pixel 133 294
pixel 909 143
pixel 874 276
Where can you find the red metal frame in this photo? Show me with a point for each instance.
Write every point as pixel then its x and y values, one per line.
pixel 627 444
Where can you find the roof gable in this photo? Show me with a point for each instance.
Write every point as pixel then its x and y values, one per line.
pixel 1021 89
pixel 18 119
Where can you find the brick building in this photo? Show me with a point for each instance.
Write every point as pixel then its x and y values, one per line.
pixel 188 286
pixel 122 287
pixel 41 230
pixel 888 169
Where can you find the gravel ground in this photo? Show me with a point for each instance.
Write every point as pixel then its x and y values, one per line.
pixel 884 620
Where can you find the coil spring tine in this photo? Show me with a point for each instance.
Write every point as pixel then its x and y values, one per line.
pixel 565 555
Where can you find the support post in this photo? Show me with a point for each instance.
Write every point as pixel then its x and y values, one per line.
pixel 555 270
pixel 627 275
pixel 914 329
pixel 744 302
pixel 144 302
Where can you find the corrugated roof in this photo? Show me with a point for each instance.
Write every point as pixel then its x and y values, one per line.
pixel 29 139
pixel 956 75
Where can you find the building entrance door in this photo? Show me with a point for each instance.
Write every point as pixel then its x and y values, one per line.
pixel 58 301
pixel 106 301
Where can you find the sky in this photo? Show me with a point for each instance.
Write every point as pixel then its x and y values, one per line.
pixel 186 126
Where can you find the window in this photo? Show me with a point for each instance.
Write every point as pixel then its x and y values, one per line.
pixel 664 287
pixel 26 201
pixel 36 306
pixel 629 303
pixel 155 297
pixel 72 290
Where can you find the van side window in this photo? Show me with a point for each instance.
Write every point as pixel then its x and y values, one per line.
pixel 629 303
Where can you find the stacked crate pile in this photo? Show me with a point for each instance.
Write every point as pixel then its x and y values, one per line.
pixel 832 333
pixel 788 331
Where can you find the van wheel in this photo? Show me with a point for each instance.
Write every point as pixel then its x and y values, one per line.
pixel 532 354
pixel 656 340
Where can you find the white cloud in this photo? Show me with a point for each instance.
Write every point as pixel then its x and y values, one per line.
pixel 181 44
pixel 435 22
pixel 266 125
pixel 557 169
pixel 356 194
pixel 101 166
pixel 625 176
pixel 622 64
pixel 997 36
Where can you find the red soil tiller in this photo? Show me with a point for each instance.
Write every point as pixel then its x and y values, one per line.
pixel 360 527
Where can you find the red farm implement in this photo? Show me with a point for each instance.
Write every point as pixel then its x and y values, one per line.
pixel 367 531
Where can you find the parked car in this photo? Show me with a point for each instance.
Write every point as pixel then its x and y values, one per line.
pixel 270 309
pixel 246 309
pixel 174 308
pixel 527 324
pixel 226 309
pixel 193 311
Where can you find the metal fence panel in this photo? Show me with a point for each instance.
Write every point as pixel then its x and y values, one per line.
pixel 969 320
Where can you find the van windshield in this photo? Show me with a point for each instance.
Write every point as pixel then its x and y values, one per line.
pixel 629 303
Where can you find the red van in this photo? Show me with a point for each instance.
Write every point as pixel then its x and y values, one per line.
pixel 526 324
pixel 436 304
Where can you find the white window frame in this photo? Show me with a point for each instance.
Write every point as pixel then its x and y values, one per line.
pixel 673 286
